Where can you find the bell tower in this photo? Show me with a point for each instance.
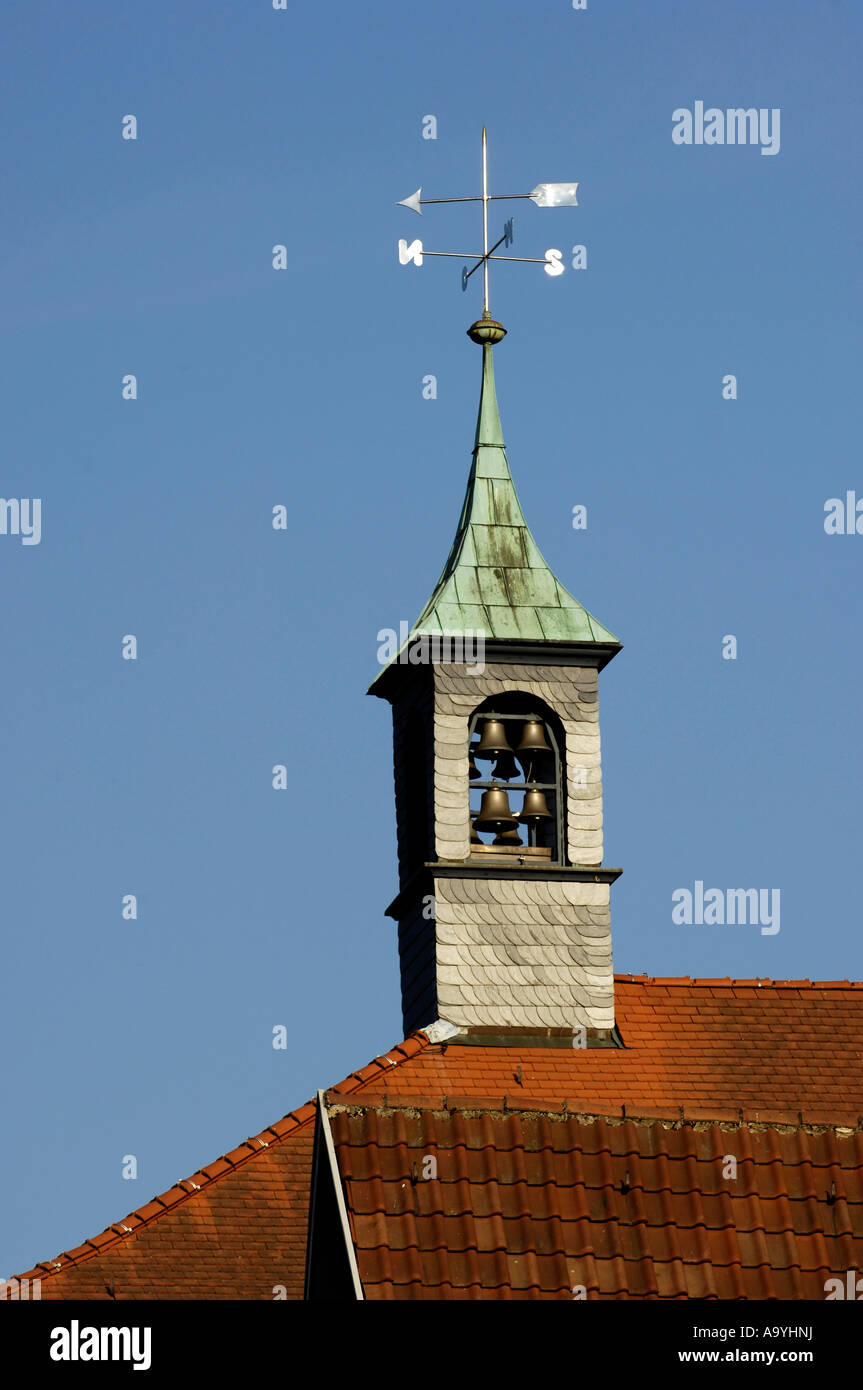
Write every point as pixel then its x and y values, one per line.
pixel 503 913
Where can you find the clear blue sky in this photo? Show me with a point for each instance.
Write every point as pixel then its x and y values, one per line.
pixel 303 387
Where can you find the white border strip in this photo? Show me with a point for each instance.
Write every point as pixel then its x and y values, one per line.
pixel 340 1196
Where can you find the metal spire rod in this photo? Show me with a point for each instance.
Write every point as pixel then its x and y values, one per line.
pixel 484 223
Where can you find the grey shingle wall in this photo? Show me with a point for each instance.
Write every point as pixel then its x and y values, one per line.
pixel 415 703
pixel 523 952
pixel 527 951
pixel 417 965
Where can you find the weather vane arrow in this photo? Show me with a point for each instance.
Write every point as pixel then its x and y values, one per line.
pixel 545 195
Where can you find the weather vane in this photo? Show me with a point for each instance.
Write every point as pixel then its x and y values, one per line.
pixel 545 195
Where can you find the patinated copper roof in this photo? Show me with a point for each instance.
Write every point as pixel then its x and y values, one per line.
pixel 495 580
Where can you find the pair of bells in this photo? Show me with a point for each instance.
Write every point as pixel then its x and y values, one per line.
pixel 495 813
pixel 494 744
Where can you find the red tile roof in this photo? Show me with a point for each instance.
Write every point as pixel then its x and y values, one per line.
pixel 235 1230
pixel 739 1051
pixel 537 1204
pixel 709 1048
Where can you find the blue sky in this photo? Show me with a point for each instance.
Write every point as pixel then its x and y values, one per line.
pixel 303 387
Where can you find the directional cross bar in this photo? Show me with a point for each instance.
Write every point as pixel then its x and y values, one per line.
pixel 544 195
pixel 508 237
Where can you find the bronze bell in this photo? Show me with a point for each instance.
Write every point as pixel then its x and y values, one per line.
pixel 505 768
pixel 494 812
pixel 534 807
pixel 532 740
pixel 473 771
pixel 493 742
pixel 474 838
pixel 508 837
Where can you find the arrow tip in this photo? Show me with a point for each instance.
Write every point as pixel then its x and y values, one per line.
pixel 413 202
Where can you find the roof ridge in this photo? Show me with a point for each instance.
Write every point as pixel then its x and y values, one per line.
pixel 727 982
pixel 672 1116
pixel 226 1163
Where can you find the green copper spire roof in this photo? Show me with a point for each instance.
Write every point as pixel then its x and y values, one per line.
pixel 495 578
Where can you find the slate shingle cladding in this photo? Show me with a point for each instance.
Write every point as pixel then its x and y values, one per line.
pixel 523 953
pixel 529 952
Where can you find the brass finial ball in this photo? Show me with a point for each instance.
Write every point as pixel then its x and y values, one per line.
pixel 486 330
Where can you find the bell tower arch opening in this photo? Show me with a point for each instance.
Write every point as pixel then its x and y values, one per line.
pixel 516 787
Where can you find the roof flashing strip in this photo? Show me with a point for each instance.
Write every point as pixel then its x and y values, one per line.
pixel 340 1196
